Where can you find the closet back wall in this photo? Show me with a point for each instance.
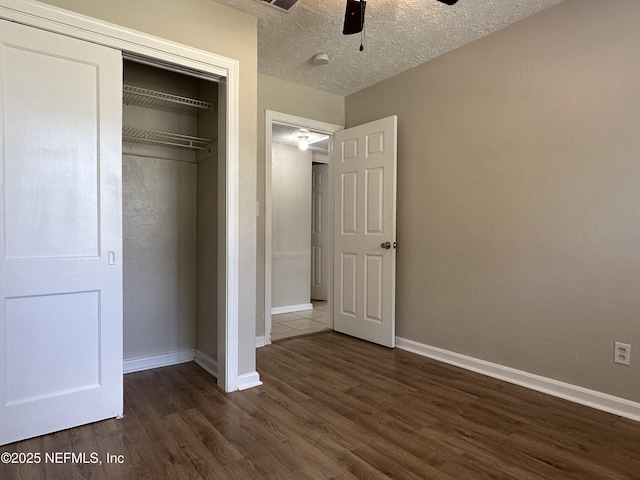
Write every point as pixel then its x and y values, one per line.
pixel 159 208
pixel 159 224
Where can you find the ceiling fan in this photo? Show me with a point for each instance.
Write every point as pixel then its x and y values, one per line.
pixel 354 16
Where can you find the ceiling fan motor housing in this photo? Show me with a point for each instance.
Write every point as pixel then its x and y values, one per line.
pixel 354 17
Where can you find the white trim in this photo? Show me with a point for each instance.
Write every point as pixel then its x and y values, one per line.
pixel 291 308
pixel 249 380
pixel 323 127
pixel 57 20
pixel 76 25
pixel 573 393
pixel 260 341
pixel 228 379
pixel 156 361
pixel 206 362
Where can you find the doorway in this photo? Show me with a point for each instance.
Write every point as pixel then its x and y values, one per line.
pixel 300 242
pixel 293 266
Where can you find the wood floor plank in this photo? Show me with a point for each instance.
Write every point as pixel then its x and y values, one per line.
pixel 212 440
pixel 25 471
pixel 58 443
pixel 301 454
pixel 324 423
pixel 201 459
pixel 82 441
pixel 335 407
pixel 334 447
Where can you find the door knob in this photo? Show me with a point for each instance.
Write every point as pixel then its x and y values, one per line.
pixel 386 245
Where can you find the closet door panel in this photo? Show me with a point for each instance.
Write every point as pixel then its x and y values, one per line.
pixel 61 156
pixel 60 232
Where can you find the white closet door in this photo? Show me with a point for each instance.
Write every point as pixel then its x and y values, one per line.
pixel 60 232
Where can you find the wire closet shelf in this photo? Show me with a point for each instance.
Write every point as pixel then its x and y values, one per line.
pixel 152 137
pixel 143 97
pixel 146 98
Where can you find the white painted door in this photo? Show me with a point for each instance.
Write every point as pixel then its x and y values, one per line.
pixel 365 231
pixel 60 232
pixel 320 238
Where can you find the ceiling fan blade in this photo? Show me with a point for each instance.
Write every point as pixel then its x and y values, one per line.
pixel 448 2
pixel 354 17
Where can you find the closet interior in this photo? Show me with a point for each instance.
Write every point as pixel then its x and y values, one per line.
pixel 170 216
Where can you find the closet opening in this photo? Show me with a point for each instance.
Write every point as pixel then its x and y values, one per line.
pixel 171 214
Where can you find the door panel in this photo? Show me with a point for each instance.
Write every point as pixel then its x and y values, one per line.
pixel 60 216
pixel 365 199
pixel 349 204
pixel 374 271
pixel 348 278
pixel 33 209
pixel 320 238
pixel 374 216
pixel 72 366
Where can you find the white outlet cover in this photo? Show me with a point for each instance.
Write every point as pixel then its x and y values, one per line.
pixel 622 353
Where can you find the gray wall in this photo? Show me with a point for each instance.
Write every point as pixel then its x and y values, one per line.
pixel 207 273
pixel 291 226
pixel 207 250
pixel 159 224
pixel 518 190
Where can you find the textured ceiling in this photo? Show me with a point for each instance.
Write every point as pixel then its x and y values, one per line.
pixel 399 34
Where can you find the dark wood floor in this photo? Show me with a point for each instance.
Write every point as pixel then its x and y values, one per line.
pixel 335 407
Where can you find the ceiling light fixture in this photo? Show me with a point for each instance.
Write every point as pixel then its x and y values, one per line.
pixel 303 142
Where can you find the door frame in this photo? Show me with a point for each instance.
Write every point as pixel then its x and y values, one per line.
pixel 165 53
pixel 272 117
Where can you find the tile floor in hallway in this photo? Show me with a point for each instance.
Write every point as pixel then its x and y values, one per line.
pixel 287 325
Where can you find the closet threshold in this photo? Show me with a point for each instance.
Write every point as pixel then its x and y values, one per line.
pixel 152 137
pixel 143 97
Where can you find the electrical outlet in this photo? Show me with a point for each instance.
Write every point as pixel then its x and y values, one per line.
pixel 622 353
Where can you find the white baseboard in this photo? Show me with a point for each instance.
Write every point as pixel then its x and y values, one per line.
pixel 261 341
pixel 249 380
pixel 583 396
pixel 156 361
pixel 292 308
pixel 208 363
